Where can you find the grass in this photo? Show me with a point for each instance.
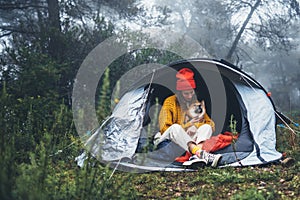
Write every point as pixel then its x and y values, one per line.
pixel 271 182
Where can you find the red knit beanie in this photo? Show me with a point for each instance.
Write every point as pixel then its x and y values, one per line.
pixel 185 79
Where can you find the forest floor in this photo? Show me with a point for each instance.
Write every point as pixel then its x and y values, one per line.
pixel 268 182
pixel 272 181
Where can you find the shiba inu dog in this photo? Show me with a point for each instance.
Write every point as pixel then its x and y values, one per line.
pixel 196 110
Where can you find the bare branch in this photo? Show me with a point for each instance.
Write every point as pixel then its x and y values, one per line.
pixel 237 38
pixel 247 3
pixel 6 34
pixel 9 6
pixel 15 30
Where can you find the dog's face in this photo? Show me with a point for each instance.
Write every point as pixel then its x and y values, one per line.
pixel 195 110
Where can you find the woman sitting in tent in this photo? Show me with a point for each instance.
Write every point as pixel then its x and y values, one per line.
pixel 178 125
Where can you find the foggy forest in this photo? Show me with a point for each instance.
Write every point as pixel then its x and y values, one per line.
pixel 43 44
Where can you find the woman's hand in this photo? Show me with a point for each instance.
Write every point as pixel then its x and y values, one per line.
pixel 191 130
pixel 196 119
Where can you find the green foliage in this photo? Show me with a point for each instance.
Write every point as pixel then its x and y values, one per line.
pixel 39 163
pixel 8 170
pixel 103 109
pixel 232 125
pixel 116 94
pixel 32 180
pixel 251 193
pixel 153 114
pixel 288 137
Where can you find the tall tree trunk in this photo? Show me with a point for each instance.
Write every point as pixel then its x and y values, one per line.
pixel 55 43
pixel 239 35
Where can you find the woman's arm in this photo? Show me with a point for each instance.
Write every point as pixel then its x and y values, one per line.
pixel 165 118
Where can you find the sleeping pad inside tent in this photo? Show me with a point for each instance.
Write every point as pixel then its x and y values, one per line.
pixel 125 139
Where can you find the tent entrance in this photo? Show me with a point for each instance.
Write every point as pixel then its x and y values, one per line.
pixel 235 108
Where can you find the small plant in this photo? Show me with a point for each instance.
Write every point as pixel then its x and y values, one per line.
pixel 232 126
pixel 251 193
pixel 234 132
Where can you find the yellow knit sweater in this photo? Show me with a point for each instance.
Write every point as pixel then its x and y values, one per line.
pixel 171 113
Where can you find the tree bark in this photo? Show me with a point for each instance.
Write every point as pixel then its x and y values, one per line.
pixel 239 35
pixel 55 43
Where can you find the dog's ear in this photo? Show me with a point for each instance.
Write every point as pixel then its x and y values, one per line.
pixel 203 107
pixel 202 103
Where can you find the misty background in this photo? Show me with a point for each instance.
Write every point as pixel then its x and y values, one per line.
pixel 44 42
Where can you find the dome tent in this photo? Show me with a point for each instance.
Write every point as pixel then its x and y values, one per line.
pixel 227 92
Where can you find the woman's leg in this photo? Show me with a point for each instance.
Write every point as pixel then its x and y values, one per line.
pixel 203 133
pixel 177 134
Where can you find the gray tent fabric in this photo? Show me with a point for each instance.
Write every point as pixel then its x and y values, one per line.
pixel 261 122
